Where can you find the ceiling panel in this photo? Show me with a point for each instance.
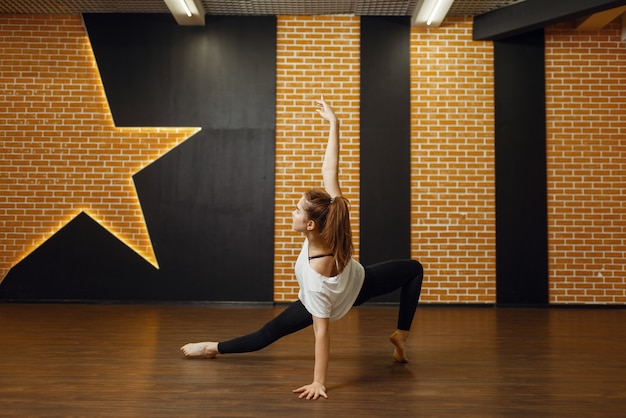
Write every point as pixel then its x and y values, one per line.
pixel 250 7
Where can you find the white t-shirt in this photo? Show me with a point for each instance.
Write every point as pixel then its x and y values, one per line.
pixel 328 297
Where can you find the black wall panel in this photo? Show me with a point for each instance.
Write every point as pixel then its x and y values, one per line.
pixel 82 261
pixel 210 207
pixel 520 148
pixel 156 73
pixel 385 215
pixel 209 202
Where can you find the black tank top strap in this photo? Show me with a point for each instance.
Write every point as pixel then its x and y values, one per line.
pixel 320 256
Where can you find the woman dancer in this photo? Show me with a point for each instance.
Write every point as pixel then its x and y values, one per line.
pixel 330 280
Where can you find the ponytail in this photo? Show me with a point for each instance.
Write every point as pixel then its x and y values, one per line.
pixel 332 216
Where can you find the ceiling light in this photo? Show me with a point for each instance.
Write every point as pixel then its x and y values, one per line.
pixel 187 12
pixel 430 13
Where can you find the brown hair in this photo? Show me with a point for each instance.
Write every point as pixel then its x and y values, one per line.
pixel 332 217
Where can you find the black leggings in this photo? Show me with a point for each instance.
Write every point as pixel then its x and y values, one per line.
pixel 380 279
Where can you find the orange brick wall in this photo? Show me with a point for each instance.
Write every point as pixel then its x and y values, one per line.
pixel 61 153
pixel 453 213
pixel 586 126
pixel 315 56
pixel 453 167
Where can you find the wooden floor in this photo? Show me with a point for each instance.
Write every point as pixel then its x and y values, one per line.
pixel 124 360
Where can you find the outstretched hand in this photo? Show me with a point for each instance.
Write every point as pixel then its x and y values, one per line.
pixel 312 391
pixel 325 110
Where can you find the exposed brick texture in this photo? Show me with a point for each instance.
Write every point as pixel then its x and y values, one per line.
pixel 315 56
pixel 453 167
pixel 61 153
pixel 586 126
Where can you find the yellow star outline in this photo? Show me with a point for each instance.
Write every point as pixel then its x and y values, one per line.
pixel 61 152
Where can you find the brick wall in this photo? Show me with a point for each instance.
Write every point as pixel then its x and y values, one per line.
pixel 61 153
pixel 315 56
pixel 453 212
pixel 586 126
pixel 453 167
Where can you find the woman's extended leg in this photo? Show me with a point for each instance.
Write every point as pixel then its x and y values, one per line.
pixel 383 278
pixel 294 318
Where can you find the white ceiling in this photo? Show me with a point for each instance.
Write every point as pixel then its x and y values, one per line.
pixel 250 7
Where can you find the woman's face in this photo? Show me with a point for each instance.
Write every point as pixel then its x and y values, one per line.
pixel 300 217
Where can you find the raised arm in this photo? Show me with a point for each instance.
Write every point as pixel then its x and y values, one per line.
pixel 330 166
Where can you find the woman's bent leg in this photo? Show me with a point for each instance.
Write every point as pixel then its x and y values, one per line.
pixel 294 318
pixel 385 277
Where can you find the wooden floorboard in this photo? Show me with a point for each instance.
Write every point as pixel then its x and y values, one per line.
pixel 124 361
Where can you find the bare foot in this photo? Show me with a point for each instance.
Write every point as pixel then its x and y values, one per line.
pixel 200 350
pixel 397 339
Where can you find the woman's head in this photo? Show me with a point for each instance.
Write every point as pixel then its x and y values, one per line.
pixel 328 219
